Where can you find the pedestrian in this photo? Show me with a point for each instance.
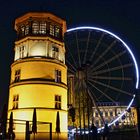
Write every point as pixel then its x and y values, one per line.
pixel 105 132
pixel 94 132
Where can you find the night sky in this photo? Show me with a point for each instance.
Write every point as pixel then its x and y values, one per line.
pixel 121 17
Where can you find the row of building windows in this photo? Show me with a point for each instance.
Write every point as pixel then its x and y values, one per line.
pixel 100 123
pixel 22 52
pixel 57 101
pixel 121 121
pixel 41 28
pixel 106 114
pixel 57 76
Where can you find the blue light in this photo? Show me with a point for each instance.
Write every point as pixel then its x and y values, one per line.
pixel 129 50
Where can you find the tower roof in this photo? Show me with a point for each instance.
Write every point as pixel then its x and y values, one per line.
pixel 40 15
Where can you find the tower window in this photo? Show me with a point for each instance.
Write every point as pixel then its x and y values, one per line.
pixel 17 75
pixel 21 51
pixel 42 28
pixel 27 30
pixel 57 31
pixel 57 76
pixel 57 101
pixel 35 27
pixel 51 29
pixel 22 30
pixel 15 101
pixel 55 52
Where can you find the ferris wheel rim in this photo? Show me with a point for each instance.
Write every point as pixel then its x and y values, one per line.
pixel 117 37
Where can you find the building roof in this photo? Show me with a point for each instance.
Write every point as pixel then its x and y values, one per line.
pixel 44 15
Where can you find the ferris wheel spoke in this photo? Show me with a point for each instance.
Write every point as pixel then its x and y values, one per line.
pixel 99 42
pixel 111 78
pixel 108 97
pixel 86 48
pixel 111 87
pixel 91 95
pixel 72 57
pixel 97 100
pixel 73 68
pixel 71 71
pixel 76 87
pixel 112 69
pixel 78 51
pixel 109 60
pixel 100 56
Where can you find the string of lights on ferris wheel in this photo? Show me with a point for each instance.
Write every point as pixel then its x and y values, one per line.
pixel 132 56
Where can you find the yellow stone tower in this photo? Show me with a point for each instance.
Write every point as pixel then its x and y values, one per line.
pixel 39 74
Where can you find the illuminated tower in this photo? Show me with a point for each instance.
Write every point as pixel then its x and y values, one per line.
pixel 39 73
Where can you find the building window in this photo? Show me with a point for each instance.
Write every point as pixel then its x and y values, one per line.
pixel 42 29
pixel 27 30
pixel 96 114
pixel 55 52
pixel 106 121
pixel 21 51
pixel 57 31
pixel 106 114
pixel 51 29
pixel 97 123
pixel 57 76
pixel 15 101
pixel 57 101
pixel 111 114
pixel 101 113
pixel 17 75
pixel 102 124
pixel 22 30
pixel 35 27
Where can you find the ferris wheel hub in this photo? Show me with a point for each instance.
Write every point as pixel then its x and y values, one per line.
pixel 81 74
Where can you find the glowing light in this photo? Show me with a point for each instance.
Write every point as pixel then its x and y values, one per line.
pixel 112 34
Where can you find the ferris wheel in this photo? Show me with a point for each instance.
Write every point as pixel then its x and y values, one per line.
pixel 103 66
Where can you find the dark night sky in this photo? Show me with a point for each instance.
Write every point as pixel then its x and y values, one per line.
pixel 119 16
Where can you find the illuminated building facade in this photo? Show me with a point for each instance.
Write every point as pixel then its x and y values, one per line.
pixel 110 111
pixel 39 74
